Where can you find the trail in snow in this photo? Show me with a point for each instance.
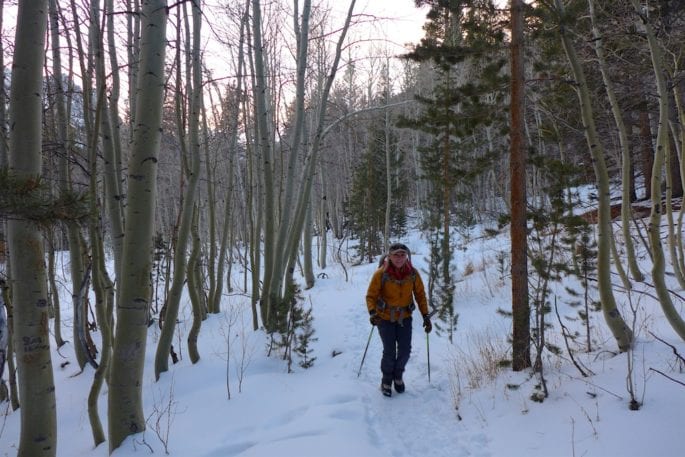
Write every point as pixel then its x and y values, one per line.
pixel 421 421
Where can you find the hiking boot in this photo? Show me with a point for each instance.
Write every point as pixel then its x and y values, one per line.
pixel 386 389
pixel 399 386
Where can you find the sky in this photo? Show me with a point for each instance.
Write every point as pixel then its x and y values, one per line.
pixel 237 402
pixel 401 22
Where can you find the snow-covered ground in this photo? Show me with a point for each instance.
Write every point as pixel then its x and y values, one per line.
pixel 469 407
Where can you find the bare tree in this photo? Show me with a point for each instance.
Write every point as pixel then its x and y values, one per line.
pixel 194 94
pixel 3 100
pixel 622 333
pixel 126 377
pixel 662 144
pixel 626 169
pixel 216 288
pixel 281 242
pixel 28 281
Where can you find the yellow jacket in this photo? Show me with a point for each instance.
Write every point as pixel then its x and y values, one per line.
pixel 393 300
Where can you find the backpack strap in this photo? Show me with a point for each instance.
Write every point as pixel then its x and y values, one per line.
pixel 395 311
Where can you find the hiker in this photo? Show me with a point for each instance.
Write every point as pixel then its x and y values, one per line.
pixel 390 301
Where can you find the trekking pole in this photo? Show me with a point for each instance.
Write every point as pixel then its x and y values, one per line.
pixel 428 353
pixel 366 349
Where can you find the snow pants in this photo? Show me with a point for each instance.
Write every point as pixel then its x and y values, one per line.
pixel 396 339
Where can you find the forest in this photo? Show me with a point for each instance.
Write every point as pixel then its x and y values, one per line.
pixel 160 145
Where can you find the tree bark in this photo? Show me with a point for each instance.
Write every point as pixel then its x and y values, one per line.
pixel 62 138
pixel 662 143
pixel 677 96
pixel 256 190
pixel 307 178
pixel 647 152
pixel 11 366
pixel 388 167
pixel 194 288
pixel 621 332
pixel 3 105
pixel 517 171
pixel 111 144
pixel 76 256
pixel 126 377
pixel 194 93
pixel 626 169
pixel 216 293
pixel 670 223
pixel 102 285
pixel 133 35
pixel 307 236
pixel 266 154
pixel 282 254
pixel 28 281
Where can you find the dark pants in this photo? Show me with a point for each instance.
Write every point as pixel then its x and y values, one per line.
pixel 396 348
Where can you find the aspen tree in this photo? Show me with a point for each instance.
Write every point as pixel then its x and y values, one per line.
pixel 125 413
pixel 28 283
pixel 662 143
pixel 61 122
pixel 194 94
pixel 621 332
pixel 215 292
pixel 626 173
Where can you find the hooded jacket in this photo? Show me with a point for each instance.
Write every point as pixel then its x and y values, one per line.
pixel 393 299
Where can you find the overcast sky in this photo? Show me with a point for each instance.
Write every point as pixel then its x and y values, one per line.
pixel 404 21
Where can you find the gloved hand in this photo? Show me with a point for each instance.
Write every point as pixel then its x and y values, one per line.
pixel 375 319
pixel 427 325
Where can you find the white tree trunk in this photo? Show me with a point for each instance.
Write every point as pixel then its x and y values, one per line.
pixel 659 265
pixel 194 94
pixel 128 359
pixel 28 281
pixel 622 333
pixel 626 175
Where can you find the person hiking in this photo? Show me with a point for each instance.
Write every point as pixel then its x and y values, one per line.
pixel 390 301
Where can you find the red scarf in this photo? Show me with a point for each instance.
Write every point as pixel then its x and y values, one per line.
pixel 401 273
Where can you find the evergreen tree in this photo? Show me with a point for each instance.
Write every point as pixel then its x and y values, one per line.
pixel 305 337
pixel 463 43
pixel 293 331
pixel 441 289
pixel 367 201
pixel 556 231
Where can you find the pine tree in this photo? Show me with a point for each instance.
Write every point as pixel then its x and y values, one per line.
pixel 441 288
pixel 556 231
pixel 463 43
pixel 367 201
pixel 304 339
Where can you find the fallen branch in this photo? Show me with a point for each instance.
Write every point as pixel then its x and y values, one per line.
pixel 675 350
pixel 668 377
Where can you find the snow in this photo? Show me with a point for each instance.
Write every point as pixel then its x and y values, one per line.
pixel 469 407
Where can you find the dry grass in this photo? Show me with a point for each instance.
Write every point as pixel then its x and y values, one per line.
pixel 469 269
pixel 482 360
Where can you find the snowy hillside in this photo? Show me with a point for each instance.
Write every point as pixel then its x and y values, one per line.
pixel 470 407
